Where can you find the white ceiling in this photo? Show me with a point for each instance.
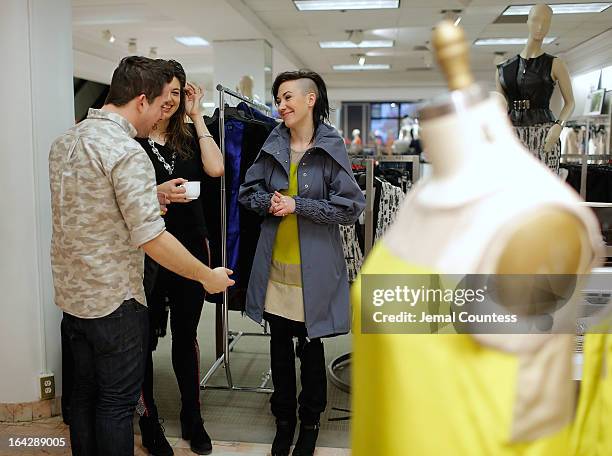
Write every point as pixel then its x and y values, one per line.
pixel 295 35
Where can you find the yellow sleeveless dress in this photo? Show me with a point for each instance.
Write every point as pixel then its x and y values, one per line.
pixel 412 393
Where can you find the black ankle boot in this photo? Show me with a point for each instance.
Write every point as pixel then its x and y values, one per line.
pixel 283 438
pixel 307 440
pixel 153 438
pixel 192 429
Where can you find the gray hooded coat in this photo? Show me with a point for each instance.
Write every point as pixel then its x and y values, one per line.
pixel 327 196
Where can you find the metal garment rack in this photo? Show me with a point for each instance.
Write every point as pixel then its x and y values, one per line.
pixel 224 358
pixel 344 360
pixel 369 163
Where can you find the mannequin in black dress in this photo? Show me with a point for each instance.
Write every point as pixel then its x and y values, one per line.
pixel 527 81
pixel 179 153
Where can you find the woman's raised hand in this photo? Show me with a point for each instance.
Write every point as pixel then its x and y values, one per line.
pixel 193 97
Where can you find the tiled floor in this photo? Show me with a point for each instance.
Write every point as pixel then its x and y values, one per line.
pixel 54 427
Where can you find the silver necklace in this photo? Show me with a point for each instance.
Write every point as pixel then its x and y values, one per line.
pixel 169 168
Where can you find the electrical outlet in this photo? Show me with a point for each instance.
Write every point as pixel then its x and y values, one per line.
pixel 47 386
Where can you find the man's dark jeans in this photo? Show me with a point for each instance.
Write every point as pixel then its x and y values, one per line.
pixel 109 358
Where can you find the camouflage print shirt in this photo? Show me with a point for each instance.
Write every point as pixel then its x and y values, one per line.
pixel 104 204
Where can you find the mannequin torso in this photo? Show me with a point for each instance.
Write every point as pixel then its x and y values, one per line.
pixel 551 71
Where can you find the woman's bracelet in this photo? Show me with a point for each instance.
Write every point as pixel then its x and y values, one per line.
pixel 205 136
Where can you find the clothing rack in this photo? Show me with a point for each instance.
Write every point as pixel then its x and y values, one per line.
pixel 343 361
pixel 584 158
pixel 227 346
pixel 370 162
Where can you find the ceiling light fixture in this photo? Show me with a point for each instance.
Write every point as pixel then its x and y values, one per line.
pixel 108 36
pixel 500 57
pixel 363 44
pixel 368 66
pixel 361 60
pixel 192 40
pixel 508 41
pixel 329 5
pixel 559 8
pixel 452 15
pixel 355 36
pixel 132 46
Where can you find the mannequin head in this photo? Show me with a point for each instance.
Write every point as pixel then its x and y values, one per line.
pixel 538 21
pixel 245 86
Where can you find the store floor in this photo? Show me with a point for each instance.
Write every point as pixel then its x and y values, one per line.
pixel 55 428
pixel 239 423
pixel 243 416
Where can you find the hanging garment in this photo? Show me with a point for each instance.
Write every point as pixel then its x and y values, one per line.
pixel 533 138
pixel 352 251
pixel 528 87
pixel 245 228
pixel 391 198
pixel 234 133
pixel 598 181
pixel 486 395
pixel 569 142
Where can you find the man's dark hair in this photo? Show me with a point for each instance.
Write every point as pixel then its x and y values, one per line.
pixel 320 112
pixel 138 75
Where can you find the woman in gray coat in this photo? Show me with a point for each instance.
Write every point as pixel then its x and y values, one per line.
pixel 303 183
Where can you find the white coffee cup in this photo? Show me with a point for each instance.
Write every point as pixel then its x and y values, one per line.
pixel 192 189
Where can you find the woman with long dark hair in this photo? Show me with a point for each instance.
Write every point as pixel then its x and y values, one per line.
pixel 180 152
pixel 303 183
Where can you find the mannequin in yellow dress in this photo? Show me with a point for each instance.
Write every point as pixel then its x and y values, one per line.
pixel 464 394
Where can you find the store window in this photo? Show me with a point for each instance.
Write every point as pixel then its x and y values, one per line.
pixel 386 120
pixel 379 123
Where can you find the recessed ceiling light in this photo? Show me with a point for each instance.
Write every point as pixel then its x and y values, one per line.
pixel 208 104
pixel 508 41
pixel 327 5
pixel 350 44
pixel 192 40
pixel 133 46
pixel 367 66
pixel 559 8
pixel 108 36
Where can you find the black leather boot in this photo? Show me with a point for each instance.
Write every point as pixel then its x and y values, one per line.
pixel 192 429
pixel 307 440
pixel 283 438
pixel 153 438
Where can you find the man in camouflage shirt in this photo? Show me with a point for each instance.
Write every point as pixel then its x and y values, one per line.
pixel 105 213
